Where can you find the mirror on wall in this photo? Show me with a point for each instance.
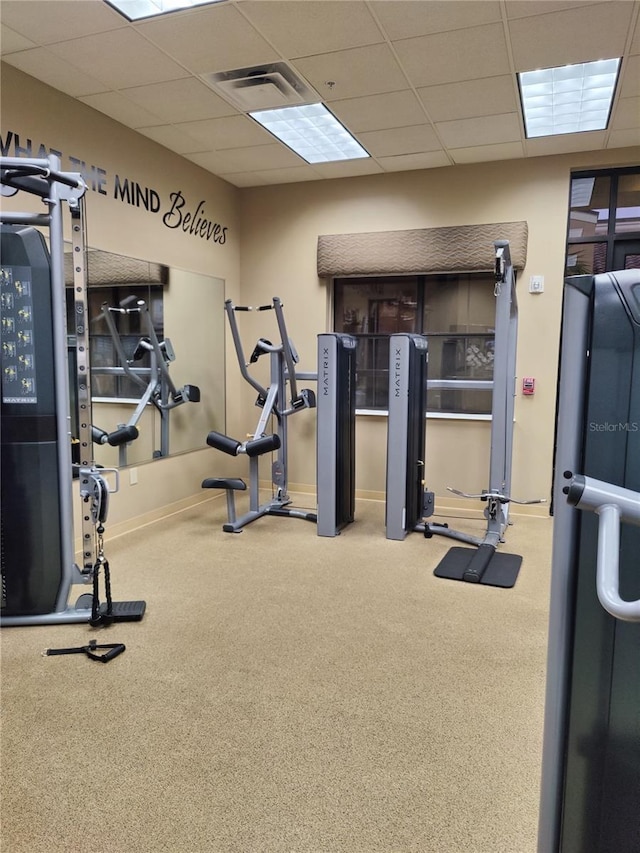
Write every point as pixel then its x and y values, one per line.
pixel 157 357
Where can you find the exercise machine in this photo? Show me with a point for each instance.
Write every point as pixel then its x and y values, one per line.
pixel 155 381
pixel 408 502
pixel 273 403
pixel 280 400
pixel 37 549
pixel 591 748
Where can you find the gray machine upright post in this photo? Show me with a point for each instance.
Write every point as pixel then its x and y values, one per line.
pixel 571 403
pixel 503 398
pixel 402 431
pixel 335 433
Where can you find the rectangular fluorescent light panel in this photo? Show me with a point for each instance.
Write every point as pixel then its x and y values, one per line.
pixel 312 132
pixel 134 10
pixel 568 99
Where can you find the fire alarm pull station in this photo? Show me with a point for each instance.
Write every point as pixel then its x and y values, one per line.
pixel 528 385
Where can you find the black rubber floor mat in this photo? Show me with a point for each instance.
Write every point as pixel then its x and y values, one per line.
pixel 502 569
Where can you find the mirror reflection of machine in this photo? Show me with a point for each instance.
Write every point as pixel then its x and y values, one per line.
pixel 197 336
pixel 155 382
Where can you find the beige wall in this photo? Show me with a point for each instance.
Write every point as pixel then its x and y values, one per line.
pixel 280 230
pixel 271 250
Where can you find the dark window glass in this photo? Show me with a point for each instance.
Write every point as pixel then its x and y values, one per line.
pixel 589 210
pixel 628 204
pixel 456 312
pixel 586 258
pixel 460 357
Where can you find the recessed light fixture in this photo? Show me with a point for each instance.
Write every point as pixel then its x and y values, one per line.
pixel 134 10
pixel 568 99
pixel 312 132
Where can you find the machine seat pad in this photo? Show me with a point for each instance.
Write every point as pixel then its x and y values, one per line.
pixel 224 483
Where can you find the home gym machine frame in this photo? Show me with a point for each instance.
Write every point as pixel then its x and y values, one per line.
pixel 43 178
pixel 408 503
pixel 335 427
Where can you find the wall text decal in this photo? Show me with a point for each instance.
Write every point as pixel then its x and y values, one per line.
pixel 175 213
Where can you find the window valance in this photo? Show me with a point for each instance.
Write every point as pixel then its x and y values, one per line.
pixel 460 248
pixel 109 269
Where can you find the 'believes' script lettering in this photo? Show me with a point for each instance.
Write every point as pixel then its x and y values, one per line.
pixel 193 222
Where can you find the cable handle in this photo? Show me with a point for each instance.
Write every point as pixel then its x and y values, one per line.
pixel 113 650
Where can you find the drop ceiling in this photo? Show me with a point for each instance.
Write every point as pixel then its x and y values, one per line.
pixel 421 84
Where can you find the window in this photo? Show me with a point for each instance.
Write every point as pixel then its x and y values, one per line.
pixel 456 312
pixel 604 211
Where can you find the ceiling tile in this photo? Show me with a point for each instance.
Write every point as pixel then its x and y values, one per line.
pixel 180 100
pixel 256 158
pixel 45 22
pixel 488 153
pixel 286 176
pixel 565 143
pixel 627 114
pixel 624 139
pixel 172 138
pixel 212 161
pixel 10 41
pixel 347 168
pixel 377 112
pixel 400 140
pixel 409 162
pixel 245 179
pixel 597 32
pixel 121 109
pixel 43 65
pixel 634 46
pixel 630 77
pixel 485 130
pixel 315 26
pixel 229 132
pixel 453 56
pixel 138 61
pixel 527 8
pixel 408 77
pixel 406 18
pixel 218 38
pixel 487 96
pixel 362 71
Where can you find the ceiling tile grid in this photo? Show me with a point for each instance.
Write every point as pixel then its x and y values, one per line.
pixel 420 83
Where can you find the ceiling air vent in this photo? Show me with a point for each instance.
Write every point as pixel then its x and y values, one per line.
pixel 263 87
